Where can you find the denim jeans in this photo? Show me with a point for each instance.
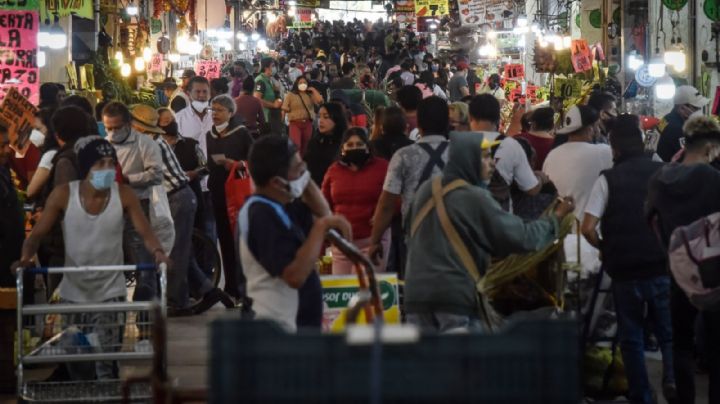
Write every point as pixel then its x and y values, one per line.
pixel 631 298
pixel 684 316
pixel 146 284
pixel 444 322
pixel 182 208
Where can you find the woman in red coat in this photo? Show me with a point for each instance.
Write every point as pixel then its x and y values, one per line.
pixel 353 186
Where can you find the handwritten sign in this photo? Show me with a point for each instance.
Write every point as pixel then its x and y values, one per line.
pixel 19 4
pixel 405 6
pixel 581 59
pixel 210 69
pixel 514 71
pixel 20 114
pixel 18 53
pixel 431 8
pixel 303 18
pixel 516 95
pixel 156 63
pixel 50 8
pixel 568 88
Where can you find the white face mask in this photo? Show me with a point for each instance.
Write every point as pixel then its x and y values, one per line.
pixel 302 87
pixel 297 187
pixel 200 106
pixel 222 126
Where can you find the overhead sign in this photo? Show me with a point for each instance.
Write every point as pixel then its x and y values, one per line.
pixel 210 69
pixel 50 8
pixel 18 53
pixel 496 13
pixel 337 291
pixel 303 18
pixel 19 4
pixel 18 114
pixel 431 8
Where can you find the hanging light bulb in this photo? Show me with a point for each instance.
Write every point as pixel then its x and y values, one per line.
pixel 656 67
pixel 535 27
pixel 139 64
pixel 194 45
pixel 242 46
pixel 271 18
pixel 634 61
pixel 255 36
pixel 147 54
pixel 262 45
pixel 242 37
pixel 119 57
pixel 522 20
pixel 41 59
pixel 43 38
pixel 291 12
pixel 132 9
pixel 665 88
pixel 557 42
pixel 125 70
pixel 675 57
pixel 57 37
pixel 543 43
pixel 174 57
pixel 566 42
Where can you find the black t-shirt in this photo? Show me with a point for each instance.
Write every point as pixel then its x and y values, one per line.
pixel 385 146
pixel 178 104
pixel 274 247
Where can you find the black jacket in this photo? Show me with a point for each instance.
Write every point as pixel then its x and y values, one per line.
pixel 669 143
pixel 322 151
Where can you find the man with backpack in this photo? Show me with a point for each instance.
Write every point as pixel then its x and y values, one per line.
pixel 411 166
pixel 632 255
pixel 454 227
pixel 678 195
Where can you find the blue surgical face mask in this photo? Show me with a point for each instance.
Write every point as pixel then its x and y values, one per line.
pixel 102 179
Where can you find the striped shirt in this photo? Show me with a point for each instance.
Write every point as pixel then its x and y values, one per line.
pixel 174 176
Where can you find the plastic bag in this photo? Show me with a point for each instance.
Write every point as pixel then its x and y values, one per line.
pixel 161 219
pixel 238 187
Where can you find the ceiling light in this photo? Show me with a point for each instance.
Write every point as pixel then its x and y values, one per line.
pixel 665 88
pixel 656 67
pixel 125 70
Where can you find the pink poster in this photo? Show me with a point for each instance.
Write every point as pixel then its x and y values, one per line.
pixel 18 54
pixel 210 69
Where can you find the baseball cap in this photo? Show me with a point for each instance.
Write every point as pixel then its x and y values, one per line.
pixel 462 65
pixel 689 95
pixel 188 74
pixel 576 118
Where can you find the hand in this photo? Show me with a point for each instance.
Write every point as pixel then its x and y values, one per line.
pixel 565 206
pixel 228 163
pixel 278 103
pixel 22 263
pixel 376 253
pixel 161 258
pixel 542 177
pixel 192 175
pixel 339 223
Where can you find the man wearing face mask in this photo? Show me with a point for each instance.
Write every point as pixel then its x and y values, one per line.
pixel 440 292
pixel 91 211
pixel 269 95
pixel 688 102
pixel 141 162
pixel 458 85
pixel 282 229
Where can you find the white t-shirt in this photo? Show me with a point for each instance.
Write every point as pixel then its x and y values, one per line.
pixel 512 164
pixel 574 168
pixel 46 160
pixel 597 202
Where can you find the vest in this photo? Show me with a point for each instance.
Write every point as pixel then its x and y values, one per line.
pixel 630 249
pixel 272 297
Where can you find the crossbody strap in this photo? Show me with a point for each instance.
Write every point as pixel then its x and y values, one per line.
pixel 430 204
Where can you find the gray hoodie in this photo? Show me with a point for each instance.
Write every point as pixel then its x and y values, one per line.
pixel 435 277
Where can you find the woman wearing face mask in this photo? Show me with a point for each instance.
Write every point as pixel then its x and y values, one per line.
pixel 227 143
pixel 426 84
pixel 352 187
pixel 299 107
pixel 324 147
pixel 48 149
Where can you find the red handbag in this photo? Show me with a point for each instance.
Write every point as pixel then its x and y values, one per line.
pixel 238 187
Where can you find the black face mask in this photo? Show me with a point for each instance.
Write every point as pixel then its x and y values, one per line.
pixel 356 157
pixel 170 129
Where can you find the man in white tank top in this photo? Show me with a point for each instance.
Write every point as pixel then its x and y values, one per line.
pixel 92 212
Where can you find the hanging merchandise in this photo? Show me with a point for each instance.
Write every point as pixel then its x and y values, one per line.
pixel 155 26
pixel 581 58
pixel 674 5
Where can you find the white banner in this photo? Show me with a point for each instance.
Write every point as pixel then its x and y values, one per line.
pixel 491 12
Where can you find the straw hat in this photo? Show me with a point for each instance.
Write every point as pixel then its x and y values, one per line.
pixel 146 117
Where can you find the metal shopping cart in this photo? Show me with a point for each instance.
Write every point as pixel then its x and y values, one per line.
pixel 90 340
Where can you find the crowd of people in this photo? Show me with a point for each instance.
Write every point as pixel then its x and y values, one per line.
pixel 424 184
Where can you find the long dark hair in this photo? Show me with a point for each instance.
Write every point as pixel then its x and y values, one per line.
pixel 50 142
pixel 337 114
pixel 427 78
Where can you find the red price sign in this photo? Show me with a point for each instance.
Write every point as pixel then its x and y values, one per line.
pixel 210 69
pixel 514 71
pixel 580 55
pixel 18 53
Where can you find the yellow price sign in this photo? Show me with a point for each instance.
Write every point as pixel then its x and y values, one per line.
pixel 568 88
pixel 431 8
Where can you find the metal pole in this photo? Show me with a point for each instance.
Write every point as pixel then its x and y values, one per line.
pixel 690 43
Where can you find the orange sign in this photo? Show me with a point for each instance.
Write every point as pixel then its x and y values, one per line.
pixel 18 114
pixel 581 59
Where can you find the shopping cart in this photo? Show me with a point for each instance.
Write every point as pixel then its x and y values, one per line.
pixel 90 340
